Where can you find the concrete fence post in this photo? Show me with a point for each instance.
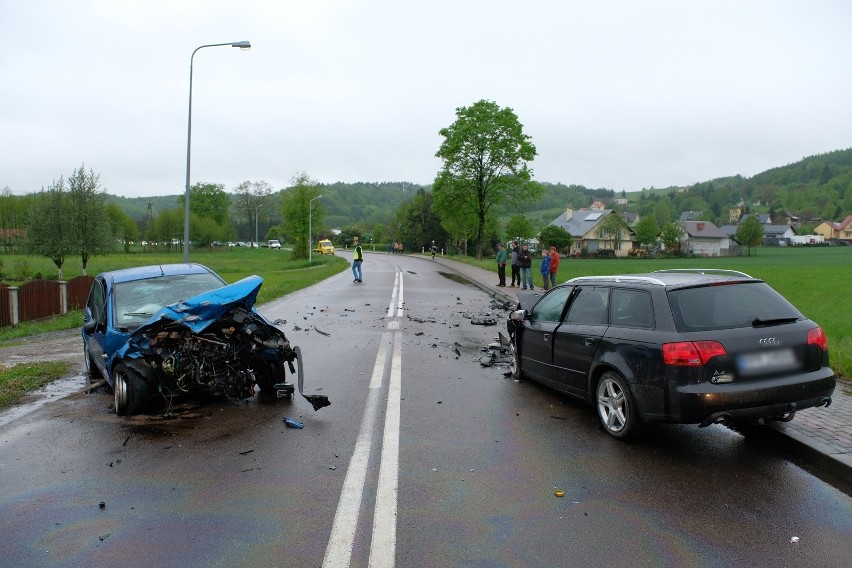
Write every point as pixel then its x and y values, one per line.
pixel 14 315
pixel 63 297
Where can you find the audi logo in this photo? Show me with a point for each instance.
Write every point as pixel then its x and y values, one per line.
pixel 769 341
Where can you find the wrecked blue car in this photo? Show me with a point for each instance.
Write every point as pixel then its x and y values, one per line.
pixel 155 333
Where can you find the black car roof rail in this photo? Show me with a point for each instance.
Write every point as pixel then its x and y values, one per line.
pixel 719 271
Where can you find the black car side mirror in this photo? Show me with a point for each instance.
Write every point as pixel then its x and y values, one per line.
pixel 518 315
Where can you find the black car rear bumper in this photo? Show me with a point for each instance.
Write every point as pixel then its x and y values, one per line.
pixel 708 403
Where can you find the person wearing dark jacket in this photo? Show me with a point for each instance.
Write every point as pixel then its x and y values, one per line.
pixel 525 263
pixel 516 268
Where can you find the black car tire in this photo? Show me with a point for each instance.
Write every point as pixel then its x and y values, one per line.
pixel 130 390
pixel 616 408
pixel 515 365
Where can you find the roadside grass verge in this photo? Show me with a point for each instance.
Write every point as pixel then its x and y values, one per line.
pixel 70 320
pixel 17 381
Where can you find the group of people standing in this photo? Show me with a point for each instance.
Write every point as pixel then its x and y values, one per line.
pixel 520 260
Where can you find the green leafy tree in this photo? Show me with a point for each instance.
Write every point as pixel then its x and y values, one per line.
pixel 50 228
pixel 168 227
pixel 347 235
pixel 14 215
pixel 485 154
pixel 123 227
pixel 553 235
pixel 299 212
pixel 647 230
pixel 519 227
pixel 209 200
pixel 613 229
pixel 91 229
pixel 418 224
pixel 663 213
pixel 750 233
pixel 671 235
pixel 250 196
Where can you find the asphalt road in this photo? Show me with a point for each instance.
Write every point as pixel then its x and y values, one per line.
pixel 424 458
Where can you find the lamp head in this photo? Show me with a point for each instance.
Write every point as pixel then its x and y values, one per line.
pixel 243 45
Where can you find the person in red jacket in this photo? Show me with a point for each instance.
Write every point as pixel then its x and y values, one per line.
pixel 554 265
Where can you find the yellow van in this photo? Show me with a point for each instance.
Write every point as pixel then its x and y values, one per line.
pixel 324 247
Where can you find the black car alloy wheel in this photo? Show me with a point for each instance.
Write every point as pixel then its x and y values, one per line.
pixel 616 409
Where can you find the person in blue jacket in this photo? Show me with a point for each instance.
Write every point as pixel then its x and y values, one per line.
pixel 545 267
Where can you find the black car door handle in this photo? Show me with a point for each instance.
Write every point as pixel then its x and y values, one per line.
pixel 590 341
pixel 547 337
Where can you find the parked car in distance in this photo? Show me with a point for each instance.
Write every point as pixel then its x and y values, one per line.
pixel 160 332
pixel 673 346
pixel 273 244
pixel 324 247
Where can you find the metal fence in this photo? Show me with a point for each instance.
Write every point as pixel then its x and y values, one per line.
pixel 40 299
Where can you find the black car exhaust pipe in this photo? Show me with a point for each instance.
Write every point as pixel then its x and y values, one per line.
pixel 716 418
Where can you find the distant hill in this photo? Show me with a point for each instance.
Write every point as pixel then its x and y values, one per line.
pixel 816 187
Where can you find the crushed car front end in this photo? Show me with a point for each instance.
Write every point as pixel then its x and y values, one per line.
pixel 213 343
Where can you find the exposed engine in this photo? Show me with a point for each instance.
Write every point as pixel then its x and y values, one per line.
pixel 231 356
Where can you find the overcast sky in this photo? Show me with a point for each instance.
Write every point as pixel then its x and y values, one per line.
pixel 616 94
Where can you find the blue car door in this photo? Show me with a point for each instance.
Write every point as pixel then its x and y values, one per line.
pixel 95 327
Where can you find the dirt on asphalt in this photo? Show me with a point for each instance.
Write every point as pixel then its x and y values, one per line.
pixel 54 346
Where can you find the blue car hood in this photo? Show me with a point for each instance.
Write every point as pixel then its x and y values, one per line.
pixel 199 312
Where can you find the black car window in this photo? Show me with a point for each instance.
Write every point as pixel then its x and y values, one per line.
pixel 589 307
pixel 741 304
pixel 550 307
pixel 96 301
pixel 631 308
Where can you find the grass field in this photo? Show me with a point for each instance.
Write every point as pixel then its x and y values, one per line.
pixel 818 281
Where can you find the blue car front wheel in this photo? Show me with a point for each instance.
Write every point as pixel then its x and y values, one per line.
pixel 131 392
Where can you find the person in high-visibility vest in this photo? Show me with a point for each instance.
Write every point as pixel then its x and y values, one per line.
pixel 357 260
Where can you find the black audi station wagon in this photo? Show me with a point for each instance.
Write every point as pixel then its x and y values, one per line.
pixel 687 346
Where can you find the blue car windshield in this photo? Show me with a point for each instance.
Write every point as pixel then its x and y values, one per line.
pixel 136 301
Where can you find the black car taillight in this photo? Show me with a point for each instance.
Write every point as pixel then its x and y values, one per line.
pixel 691 353
pixel 816 336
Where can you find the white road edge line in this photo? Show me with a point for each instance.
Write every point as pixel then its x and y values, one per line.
pixel 396 282
pixel 400 300
pixel 338 553
pixel 383 545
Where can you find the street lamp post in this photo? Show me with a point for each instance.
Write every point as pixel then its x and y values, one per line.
pixel 244 45
pixel 255 224
pixel 310 216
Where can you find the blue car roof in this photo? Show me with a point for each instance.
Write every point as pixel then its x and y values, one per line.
pixel 143 272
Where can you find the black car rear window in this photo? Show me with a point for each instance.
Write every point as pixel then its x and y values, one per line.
pixel 728 306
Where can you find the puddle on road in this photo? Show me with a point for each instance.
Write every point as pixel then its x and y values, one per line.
pixel 48 393
pixel 456 278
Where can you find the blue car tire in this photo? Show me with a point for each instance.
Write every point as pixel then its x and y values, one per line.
pixel 130 389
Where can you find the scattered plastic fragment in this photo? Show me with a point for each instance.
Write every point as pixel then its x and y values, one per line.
pixel 102 505
pixel 293 423
pixel 794 540
pixel 559 493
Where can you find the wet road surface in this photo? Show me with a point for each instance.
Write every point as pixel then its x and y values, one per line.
pixel 424 458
